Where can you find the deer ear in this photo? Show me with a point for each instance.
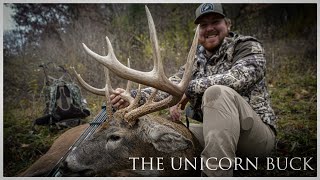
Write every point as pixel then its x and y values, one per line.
pixel 167 140
pixel 164 138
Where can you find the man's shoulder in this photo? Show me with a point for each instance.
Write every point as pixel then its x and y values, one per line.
pixel 243 46
pixel 239 38
pixel 246 45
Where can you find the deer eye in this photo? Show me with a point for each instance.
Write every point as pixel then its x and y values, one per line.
pixel 114 137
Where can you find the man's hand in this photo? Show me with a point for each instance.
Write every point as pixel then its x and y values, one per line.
pixel 116 99
pixel 175 111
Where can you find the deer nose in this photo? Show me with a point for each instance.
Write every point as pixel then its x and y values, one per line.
pixel 59 170
pixel 64 166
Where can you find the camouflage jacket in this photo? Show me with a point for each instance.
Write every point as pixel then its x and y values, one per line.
pixel 240 64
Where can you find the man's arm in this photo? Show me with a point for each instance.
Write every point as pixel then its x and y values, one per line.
pixel 246 71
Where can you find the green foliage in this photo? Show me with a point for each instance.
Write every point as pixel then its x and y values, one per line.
pixel 147 46
pixel 21 145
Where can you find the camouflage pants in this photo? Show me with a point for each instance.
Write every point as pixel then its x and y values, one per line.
pixel 230 129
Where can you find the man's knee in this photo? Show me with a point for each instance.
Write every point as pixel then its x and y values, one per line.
pixel 215 92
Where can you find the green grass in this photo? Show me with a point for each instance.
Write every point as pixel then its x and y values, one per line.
pixel 22 145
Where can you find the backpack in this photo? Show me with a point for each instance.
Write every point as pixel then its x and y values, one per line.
pixel 64 103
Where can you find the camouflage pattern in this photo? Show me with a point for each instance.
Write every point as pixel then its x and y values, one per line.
pixel 51 94
pixel 240 64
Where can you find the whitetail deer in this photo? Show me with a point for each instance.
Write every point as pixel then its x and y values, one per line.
pixel 132 131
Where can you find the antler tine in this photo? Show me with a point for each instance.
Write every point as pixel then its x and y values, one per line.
pixel 108 81
pixel 190 60
pixel 108 88
pixel 133 104
pixel 100 92
pixel 157 61
pixel 129 84
pixel 125 95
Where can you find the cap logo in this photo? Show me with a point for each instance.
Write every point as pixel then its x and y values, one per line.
pixel 206 7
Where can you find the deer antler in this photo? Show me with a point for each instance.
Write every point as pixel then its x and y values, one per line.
pixel 156 78
pixel 106 90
